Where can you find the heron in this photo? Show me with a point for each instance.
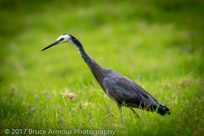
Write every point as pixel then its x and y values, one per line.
pixel 121 89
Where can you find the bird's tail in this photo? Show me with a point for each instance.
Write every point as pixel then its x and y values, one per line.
pixel 162 109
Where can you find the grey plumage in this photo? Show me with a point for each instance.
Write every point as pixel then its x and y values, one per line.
pixel 124 91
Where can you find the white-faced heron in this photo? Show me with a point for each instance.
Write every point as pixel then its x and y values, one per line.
pixel 124 91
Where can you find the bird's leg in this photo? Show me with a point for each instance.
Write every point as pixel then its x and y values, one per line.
pixel 134 112
pixel 119 107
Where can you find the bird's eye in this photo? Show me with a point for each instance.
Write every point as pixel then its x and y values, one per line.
pixel 61 39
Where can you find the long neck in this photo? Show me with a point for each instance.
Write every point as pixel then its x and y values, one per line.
pixel 95 68
pixel 83 54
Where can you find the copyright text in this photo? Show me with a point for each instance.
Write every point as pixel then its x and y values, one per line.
pixel 31 131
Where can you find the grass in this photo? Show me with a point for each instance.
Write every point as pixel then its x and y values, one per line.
pixel 157 44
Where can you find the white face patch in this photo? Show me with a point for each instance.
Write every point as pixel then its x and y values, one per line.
pixel 64 38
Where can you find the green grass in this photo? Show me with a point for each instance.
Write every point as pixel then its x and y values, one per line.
pixel 158 44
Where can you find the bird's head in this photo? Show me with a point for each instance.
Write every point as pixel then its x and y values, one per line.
pixel 62 39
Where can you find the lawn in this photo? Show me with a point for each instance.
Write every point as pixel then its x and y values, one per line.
pixel 158 44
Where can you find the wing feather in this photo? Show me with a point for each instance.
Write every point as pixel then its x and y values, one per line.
pixel 124 90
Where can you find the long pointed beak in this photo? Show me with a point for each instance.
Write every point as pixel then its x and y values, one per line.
pixel 54 43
